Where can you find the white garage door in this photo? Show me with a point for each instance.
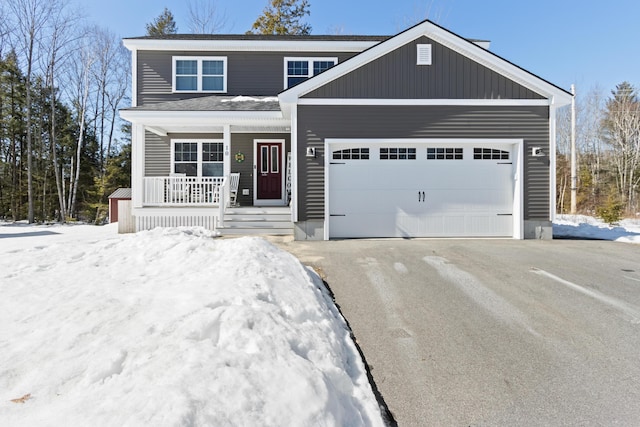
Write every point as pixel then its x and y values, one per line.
pixel 421 190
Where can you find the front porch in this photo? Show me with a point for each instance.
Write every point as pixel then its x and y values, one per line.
pixel 253 220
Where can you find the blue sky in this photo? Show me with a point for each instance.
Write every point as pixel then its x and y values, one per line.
pixel 585 42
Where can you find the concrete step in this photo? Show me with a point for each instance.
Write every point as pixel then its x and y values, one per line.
pixel 237 231
pixel 260 218
pixel 267 220
pixel 258 224
pixel 264 210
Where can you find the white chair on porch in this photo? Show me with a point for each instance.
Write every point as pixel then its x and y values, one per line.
pixel 234 181
pixel 178 188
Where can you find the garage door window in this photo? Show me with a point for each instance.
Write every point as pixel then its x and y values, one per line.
pixel 397 154
pixel 490 154
pixel 441 153
pixel 351 154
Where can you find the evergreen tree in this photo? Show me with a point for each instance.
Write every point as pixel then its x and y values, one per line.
pixel 162 25
pixel 283 17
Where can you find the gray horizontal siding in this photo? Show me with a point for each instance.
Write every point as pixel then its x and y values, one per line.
pixel 158 155
pixel 396 75
pixel 316 123
pixel 249 73
pixel 157 159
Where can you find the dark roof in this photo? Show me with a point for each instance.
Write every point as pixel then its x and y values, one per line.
pixel 269 37
pixel 215 103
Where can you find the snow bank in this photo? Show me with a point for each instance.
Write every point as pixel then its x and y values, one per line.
pixel 169 328
pixel 587 227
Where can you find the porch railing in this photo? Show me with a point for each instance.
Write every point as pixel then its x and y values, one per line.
pixel 182 191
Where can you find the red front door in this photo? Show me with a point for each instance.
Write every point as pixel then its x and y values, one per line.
pixel 269 170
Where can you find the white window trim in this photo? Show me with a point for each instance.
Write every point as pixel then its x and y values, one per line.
pixel 199 60
pixel 310 61
pixel 199 160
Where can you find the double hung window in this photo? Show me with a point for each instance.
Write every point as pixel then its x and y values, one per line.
pixel 200 74
pixel 198 158
pixel 297 70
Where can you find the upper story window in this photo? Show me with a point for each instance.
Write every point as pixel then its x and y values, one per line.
pixel 200 74
pixel 297 70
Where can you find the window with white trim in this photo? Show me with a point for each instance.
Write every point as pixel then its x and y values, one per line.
pixel 297 70
pixel 198 158
pixel 200 74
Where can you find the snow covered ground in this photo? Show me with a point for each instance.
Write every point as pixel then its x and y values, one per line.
pixel 169 328
pixel 586 227
pixel 173 327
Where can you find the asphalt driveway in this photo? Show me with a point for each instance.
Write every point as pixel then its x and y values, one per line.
pixel 492 332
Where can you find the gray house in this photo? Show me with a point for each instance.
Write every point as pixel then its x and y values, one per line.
pixel 423 134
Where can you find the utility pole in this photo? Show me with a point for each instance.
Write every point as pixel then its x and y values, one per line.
pixel 574 176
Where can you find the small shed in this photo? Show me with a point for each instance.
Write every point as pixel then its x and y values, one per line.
pixel 114 198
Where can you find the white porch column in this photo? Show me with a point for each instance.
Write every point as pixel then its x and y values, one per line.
pixel 226 135
pixel 137 165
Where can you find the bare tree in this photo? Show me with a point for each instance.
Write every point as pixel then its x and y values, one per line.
pixel 205 17
pixel 622 127
pixel 105 75
pixel 110 77
pixel 55 47
pixel 4 29
pixel 79 76
pixel 420 13
pixel 30 18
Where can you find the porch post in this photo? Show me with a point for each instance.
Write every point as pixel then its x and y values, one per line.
pixel 137 165
pixel 227 158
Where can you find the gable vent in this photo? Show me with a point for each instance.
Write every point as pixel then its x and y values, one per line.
pixel 424 54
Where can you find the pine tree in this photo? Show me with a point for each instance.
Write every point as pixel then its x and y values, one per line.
pixel 162 25
pixel 283 17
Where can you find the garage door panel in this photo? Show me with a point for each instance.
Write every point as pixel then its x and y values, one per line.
pixel 373 200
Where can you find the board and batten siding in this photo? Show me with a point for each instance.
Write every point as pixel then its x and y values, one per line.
pixel 450 76
pixel 248 73
pixel 316 123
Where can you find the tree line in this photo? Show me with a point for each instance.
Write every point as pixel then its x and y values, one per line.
pixel 61 85
pixel 608 153
pixel 63 148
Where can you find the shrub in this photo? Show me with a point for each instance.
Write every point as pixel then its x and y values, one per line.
pixel 611 212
